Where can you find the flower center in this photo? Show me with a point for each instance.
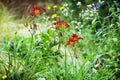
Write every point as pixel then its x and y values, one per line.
pixel 37 11
pixel 71 43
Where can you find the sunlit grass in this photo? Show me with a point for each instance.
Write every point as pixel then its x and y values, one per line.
pixel 8 24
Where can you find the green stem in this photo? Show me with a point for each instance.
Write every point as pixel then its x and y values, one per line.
pixel 65 64
pixel 59 41
pixel 75 60
pixel 9 60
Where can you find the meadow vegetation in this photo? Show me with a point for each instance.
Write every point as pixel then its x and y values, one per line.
pixel 58 43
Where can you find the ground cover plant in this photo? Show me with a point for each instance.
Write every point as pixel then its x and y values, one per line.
pixel 63 44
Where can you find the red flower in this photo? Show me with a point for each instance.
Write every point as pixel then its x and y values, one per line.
pixel 70 42
pixel 36 10
pixel 60 24
pixel 74 38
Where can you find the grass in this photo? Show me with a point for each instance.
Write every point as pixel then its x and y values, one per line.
pixel 46 55
pixel 6 19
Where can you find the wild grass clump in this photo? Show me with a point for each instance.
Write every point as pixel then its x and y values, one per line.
pixel 6 19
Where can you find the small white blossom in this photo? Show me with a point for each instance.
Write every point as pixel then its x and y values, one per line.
pixel 79 3
pixel 89 6
pixel 65 5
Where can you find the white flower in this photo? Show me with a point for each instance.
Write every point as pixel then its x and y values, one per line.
pixel 101 2
pixel 89 6
pixel 79 3
pixel 65 5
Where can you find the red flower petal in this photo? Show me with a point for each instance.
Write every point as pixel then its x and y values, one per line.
pixel 60 24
